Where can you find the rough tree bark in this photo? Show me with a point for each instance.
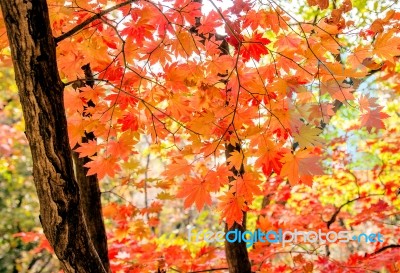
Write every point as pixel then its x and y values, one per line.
pixel 41 94
pixel 236 253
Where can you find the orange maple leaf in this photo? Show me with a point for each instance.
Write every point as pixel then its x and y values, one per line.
pixel 339 92
pixel 88 149
pixel 102 166
pixel 93 94
pixel 195 190
pixel 264 223
pixel 323 4
pixel 235 160
pixel 232 207
pixel 387 46
pixel 366 103
pixel 289 43
pixel 210 22
pixel 246 186
pixel 219 177
pixel 76 129
pixel 122 147
pixel 297 167
pixel 180 166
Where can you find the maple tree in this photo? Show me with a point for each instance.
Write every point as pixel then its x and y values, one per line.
pixel 244 105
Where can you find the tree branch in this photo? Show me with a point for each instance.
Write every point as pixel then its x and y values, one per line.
pixel 209 270
pixel 335 214
pixel 200 271
pixel 89 20
pixel 384 248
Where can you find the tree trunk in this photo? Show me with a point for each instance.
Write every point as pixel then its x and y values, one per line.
pixel 236 253
pixel 41 94
pixel 89 188
pixel 91 206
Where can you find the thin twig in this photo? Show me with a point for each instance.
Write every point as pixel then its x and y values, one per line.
pixel 89 20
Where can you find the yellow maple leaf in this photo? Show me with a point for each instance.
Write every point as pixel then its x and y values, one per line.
pixel 308 136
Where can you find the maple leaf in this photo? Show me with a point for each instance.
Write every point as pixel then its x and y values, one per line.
pixel 73 100
pixel 387 46
pixel 88 149
pixel 300 165
pixel 240 6
pixel 195 190
pixel 210 22
pixel 359 54
pixel 316 115
pixel 288 43
pixel 232 207
pixel 92 94
pixel 270 155
pixel 308 136
pixel 246 186
pixel 129 122
pixel 264 223
pixel 140 28
pixel 374 119
pixel 366 103
pixel 122 147
pixel 110 44
pixel 307 265
pixel 165 196
pixel 254 47
pixel 267 19
pixel 203 124
pixel 180 166
pixel 185 44
pixel 270 161
pixel 337 72
pixel 110 210
pixel 219 177
pixel 122 232
pixel 28 237
pixel 189 10
pixel 339 92
pixel 154 53
pixel 123 100
pixel 323 4
pixel 102 166
pixel 76 129
pixel 72 61
pixel 235 160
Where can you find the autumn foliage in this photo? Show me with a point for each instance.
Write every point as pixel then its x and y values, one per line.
pixel 309 93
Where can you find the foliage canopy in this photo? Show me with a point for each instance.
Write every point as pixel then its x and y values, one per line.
pixel 305 94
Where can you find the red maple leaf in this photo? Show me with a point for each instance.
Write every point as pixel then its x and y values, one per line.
pixel 255 47
pixel 374 119
pixel 129 121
